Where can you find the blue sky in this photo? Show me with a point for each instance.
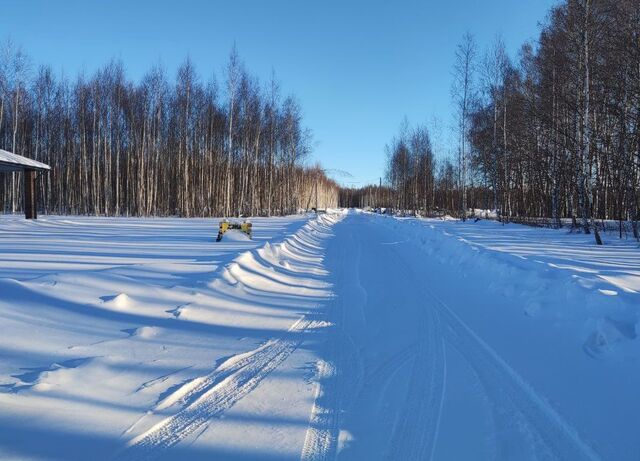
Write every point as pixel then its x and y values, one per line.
pixel 357 67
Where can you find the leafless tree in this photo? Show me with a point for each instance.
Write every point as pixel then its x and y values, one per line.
pixel 157 148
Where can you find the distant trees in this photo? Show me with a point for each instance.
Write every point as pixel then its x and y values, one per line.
pixel 410 169
pixel 156 147
pixel 554 135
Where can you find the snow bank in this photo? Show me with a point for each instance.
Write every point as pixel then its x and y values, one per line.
pixel 555 275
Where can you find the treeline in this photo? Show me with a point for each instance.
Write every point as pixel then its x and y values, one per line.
pixel 553 134
pixel 417 181
pixel 183 147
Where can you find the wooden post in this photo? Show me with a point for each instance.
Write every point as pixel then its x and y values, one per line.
pixel 30 199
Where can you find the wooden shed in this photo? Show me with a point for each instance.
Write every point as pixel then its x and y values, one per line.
pixel 9 163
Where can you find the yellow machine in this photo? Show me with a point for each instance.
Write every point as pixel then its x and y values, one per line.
pixel 225 225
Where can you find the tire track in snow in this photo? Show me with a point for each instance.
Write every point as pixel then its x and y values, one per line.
pixel 416 432
pixel 518 410
pixel 377 384
pixel 203 399
pixel 514 436
pixel 207 397
pixel 340 378
pixel 335 392
pixel 524 420
pixel 517 406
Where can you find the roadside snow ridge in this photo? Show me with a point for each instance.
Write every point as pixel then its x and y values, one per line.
pixel 196 403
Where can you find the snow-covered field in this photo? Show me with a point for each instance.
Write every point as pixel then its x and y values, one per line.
pixel 349 336
pixel 111 325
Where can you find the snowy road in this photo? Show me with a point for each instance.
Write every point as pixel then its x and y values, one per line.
pixel 350 336
pixel 410 378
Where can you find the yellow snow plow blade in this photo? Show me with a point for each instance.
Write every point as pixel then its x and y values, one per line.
pixel 226 225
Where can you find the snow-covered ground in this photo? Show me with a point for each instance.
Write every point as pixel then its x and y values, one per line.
pixel 110 325
pixel 349 336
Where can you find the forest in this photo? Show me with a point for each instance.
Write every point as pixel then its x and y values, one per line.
pixel 550 134
pixel 183 147
pixel 553 134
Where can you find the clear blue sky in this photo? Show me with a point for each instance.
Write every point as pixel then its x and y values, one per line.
pixel 357 67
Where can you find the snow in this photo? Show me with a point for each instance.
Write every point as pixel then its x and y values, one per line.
pixel 543 301
pixel 347 335
pixel 107 323
pixel 20 161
